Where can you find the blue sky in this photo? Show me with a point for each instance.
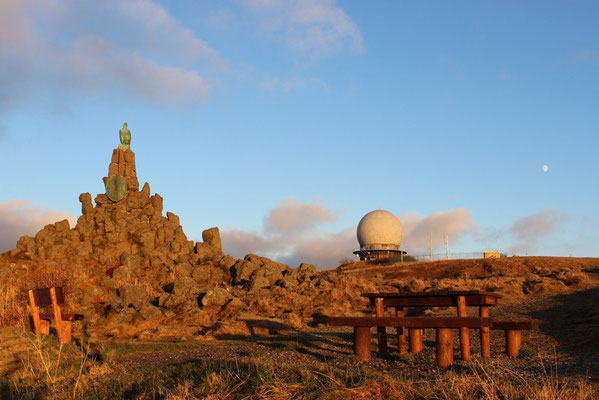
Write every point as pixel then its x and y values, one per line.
pixel 284 122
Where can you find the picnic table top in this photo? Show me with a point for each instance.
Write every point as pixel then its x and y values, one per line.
pixel 438 293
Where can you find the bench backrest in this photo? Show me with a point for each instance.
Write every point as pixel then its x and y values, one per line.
pixel 42 297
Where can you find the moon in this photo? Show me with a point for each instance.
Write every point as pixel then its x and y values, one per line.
pixel 545 168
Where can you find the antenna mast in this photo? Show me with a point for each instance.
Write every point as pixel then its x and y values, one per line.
pixel 430 246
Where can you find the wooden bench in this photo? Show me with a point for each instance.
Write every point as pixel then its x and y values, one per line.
pixel 460 299
pixel 41 322
pixel 513 333
pixel 442 325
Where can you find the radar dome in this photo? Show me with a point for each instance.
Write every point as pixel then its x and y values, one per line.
pixel 379 229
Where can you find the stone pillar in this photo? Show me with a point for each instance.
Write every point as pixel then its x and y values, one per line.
pixel 123 164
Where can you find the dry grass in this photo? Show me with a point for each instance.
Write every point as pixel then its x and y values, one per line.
pixel 11 306
pixel 42 369
pixel 50 371
pixel 13 290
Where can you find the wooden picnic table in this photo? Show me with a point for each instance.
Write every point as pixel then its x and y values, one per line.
pixel 461 299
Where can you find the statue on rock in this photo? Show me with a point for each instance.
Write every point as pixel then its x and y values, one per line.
pixel 125 136
pixel 122 176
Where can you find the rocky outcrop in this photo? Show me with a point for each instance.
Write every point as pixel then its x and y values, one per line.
pixel 131 269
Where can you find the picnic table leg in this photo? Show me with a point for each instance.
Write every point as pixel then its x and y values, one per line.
pixel 379 309
pixel 513 342
pixel 464 332
pixel 444 347
pixel 362 342
pixel 416 345
pixel 485 334
pixel 402 343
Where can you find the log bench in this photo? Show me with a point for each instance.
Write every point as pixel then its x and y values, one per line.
pixel 513 333
pixel 41 322
pixel 460 299
pixel 442 325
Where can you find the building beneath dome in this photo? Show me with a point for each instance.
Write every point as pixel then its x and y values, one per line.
pixel 379 234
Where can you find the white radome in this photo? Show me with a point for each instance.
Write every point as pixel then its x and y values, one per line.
pixel 379 228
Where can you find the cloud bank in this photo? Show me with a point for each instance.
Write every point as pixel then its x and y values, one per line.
pixel 65 48
pixel 527 232
pixel 308 27
pixel 418 229
pixel 19 217
pixel 290 233
pixel 293 218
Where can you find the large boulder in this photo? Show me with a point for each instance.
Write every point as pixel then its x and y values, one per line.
pixel 212 237
pixel 133 296
pixel 216 296
pixel 206 252
pixel 243 270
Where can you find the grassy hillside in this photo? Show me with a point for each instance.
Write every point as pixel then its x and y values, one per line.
pixel 561 361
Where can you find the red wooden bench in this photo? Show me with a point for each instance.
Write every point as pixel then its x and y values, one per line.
pixel 41 322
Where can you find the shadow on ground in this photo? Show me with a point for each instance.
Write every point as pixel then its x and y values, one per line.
pixel 573 321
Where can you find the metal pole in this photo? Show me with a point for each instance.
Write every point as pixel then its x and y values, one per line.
pixel 430 247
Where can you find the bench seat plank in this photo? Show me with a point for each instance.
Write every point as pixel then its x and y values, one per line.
pixel 471 300
pixel 523 325
pixel 412 322
pixel 434 293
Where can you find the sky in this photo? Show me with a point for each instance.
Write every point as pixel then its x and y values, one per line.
pixel 284 122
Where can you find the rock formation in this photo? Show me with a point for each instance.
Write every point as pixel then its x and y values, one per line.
pixel 134 272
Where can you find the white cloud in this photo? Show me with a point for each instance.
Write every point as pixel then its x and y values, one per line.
pixel 290 234
pixel 166 33
pixel 326 251
pixel 238 243
pixel 309 27
pixel 135 47
pixel 528 231
pixel 419 229
pixel 293 218
pixel 95 63
pixel 19 217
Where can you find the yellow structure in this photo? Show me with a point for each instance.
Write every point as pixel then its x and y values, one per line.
pixel 492 254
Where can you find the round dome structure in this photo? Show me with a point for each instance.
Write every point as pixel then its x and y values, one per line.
pixel 379 228
pixel 379 234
